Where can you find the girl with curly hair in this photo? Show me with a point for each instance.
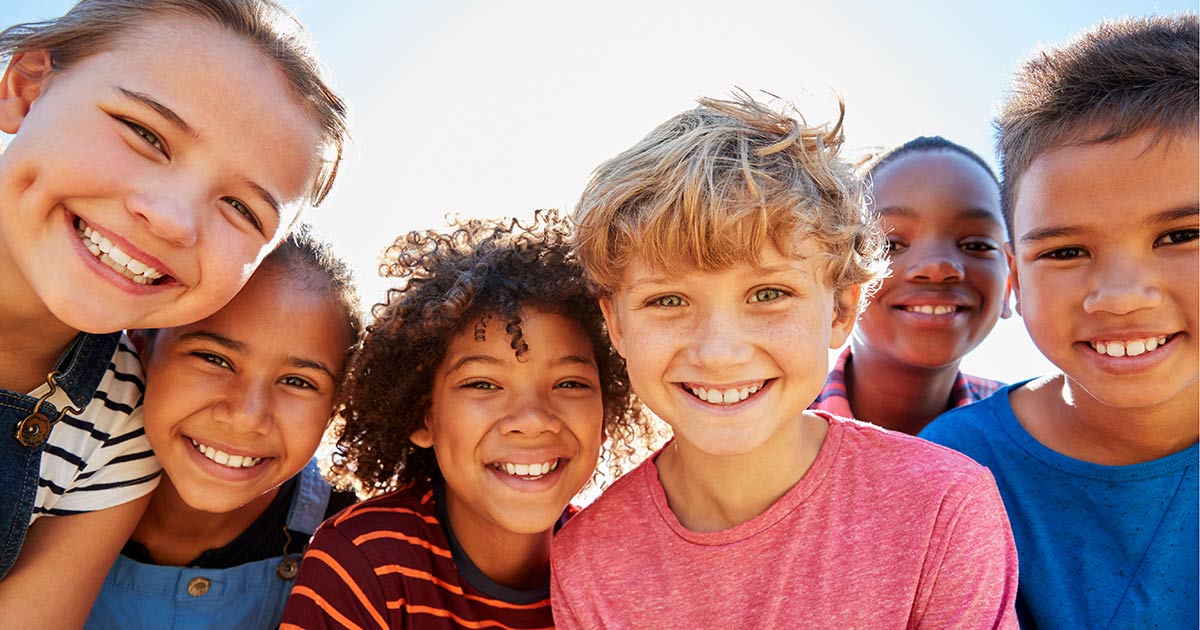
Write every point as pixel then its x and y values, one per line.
pixel 478 406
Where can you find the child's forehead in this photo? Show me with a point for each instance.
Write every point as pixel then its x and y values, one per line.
pixel 805 259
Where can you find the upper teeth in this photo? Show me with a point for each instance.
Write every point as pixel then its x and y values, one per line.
pixel 931 310
pixel 533 471
pixel 115 258
pixel 225 459
pixel 1129 348
pixel 718 396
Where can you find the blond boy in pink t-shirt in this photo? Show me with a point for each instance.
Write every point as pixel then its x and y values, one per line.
pixel 732 251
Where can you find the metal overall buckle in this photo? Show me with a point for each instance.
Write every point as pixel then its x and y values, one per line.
pixel 34 430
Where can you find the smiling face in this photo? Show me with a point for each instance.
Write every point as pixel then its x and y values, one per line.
pixel 941 213
pixel 1105 267
pixel 727 358
pixel 144 182
pixel 237 403
pixel 515 439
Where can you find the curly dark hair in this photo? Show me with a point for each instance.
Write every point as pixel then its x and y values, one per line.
pixel 477 270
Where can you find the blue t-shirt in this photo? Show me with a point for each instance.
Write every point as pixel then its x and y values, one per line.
pixel 1098 546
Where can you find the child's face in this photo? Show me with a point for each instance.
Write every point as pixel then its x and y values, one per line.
pixel 515 439
pixel 727 358
pixel 949 282
pixel 181 152
pixel 237 403
pixel 1105 266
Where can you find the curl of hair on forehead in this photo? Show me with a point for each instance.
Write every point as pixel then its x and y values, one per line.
pixel 93 26
pixel 714 186
pixel 450 281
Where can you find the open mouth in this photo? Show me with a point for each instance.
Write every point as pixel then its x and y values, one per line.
pixel 225 459
pixel 929 309
pixel 1132 347
pixel 724 395
pixel 527 472
pixel 114 258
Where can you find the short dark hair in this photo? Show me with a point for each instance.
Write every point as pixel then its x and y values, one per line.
pixel 922 144
pixel 1111 82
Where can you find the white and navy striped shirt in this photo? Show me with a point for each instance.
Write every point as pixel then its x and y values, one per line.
pixel 101 457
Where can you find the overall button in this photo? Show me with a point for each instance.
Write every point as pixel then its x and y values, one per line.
pixel 198 587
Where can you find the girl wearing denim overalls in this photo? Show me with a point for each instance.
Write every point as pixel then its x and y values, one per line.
pixel 157 149
pixel 236 404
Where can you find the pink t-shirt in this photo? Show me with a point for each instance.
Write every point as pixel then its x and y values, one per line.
pixel 884 531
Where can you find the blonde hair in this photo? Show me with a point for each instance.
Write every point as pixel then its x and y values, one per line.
pixel 92 26
pixel 713 186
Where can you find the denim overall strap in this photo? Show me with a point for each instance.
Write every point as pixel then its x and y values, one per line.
pixel 311 500
pixel 80 368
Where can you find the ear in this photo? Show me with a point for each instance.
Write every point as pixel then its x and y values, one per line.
pixel 1014 282
pixel 23 82
pixel 422 437
pixel 612 320
pixel 843 325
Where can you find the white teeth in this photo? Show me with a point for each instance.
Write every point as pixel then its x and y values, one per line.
pixel 724 396
pixel 225 459
pixel 115 258
pixel 527 471
pixel 1131 348
pixel 940 309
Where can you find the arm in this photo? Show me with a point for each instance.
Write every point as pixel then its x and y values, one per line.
pixel 63 564
pixel 970 576
pixel 336 587
pixel 564 617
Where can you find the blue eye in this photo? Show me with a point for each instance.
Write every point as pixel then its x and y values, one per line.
pixel 767 295
pixel 895 246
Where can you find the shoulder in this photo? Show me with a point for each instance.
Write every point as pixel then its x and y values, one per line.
pixel 627 499
pixel 973 427
pixel 893 458
pixel 389 528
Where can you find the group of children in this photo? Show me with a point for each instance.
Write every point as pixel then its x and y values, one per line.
pixel 164 477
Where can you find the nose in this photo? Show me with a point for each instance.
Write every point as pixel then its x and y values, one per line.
pixel 244 406
pixel 718 341
pixel 934 263
pixel 1122 285
pixel 530 413
pixel 170 216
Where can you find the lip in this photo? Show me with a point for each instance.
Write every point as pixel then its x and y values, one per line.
pixel 169 279
pixel 731 408
pixel 1129 365
pixel 224 472
pixel 545 482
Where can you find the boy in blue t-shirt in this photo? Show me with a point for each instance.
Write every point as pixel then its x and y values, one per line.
pixel 1097 464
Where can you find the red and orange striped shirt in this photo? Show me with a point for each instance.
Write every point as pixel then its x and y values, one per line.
pixel 389 563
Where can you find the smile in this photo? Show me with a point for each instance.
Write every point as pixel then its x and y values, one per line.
pixel 528 472
pixel 724 396
pixel 225 459
pixel 106 252
pixel 1131 348
pixel 928 309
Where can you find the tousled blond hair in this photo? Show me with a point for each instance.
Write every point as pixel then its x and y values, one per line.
pixel 713 186
pixel 93 26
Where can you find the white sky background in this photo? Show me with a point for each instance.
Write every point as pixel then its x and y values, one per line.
pixel 498 108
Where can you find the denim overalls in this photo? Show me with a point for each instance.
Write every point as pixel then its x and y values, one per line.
pixel 248 596
pixel 80 370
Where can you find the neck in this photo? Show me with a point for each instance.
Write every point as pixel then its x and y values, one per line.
pixel 174 533
pixel 516 560
pixel 716 492
pixel 32 337
pixel 1065 418
pixel 897 396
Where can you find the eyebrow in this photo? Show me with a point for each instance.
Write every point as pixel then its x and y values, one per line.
pixel 267 197
pixel 233 344
pixel 570 359
pixel 1058 231
pixel 162 110
pixel 966 214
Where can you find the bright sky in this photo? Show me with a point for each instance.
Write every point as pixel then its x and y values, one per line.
pixel 498 108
